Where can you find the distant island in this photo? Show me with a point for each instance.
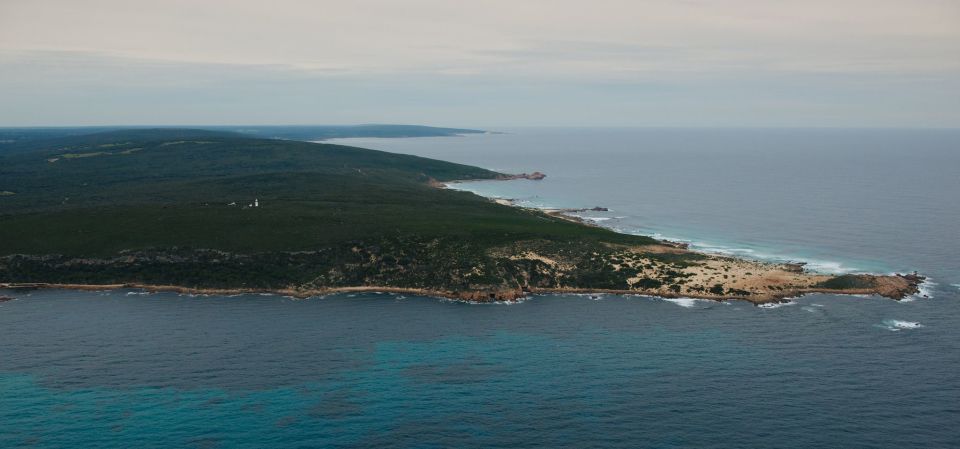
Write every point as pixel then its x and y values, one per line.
pixel 227 211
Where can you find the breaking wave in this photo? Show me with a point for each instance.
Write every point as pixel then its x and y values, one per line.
pixel 811 264
pixel 685 302
pixel 924 291
pixel 899 325
pixel 139 293
pixel 776 305
pixel 813 308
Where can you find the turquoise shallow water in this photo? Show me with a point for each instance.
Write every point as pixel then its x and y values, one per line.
pixel 110 369
pixel 124 369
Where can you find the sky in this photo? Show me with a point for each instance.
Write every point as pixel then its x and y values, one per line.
pixel 482 63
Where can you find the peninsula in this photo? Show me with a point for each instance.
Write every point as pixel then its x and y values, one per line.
pixel 218 211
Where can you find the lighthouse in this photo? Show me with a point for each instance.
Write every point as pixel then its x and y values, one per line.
pixel 256 202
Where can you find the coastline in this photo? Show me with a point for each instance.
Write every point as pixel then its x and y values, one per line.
pixel 712 277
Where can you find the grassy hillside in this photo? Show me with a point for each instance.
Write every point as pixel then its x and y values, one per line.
pixel 172 206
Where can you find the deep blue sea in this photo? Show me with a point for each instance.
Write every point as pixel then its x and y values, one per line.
pixel 125 369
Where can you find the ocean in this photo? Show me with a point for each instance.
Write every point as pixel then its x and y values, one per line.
pixel 127 369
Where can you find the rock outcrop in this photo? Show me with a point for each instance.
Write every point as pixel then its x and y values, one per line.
pixel 490 295
pixel 535 176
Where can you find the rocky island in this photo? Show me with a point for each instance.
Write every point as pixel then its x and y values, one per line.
pixel 199 211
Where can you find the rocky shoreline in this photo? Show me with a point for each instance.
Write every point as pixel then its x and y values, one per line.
pixel 907 285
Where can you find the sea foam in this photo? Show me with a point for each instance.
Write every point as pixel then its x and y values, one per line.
pixel 685 302
pixel 899 325
pixel 776 305
pixel 924 291
pixel 811 264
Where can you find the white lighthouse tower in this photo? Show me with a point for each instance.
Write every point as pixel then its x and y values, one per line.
pixel 256 202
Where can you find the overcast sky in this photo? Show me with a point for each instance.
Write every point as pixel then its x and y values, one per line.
pixel 483 63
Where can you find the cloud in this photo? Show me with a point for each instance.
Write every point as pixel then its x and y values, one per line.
pixel 535 35
pixel 610 54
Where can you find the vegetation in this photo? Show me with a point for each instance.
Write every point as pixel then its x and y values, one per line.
pixel 848 282
pixel 175 207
